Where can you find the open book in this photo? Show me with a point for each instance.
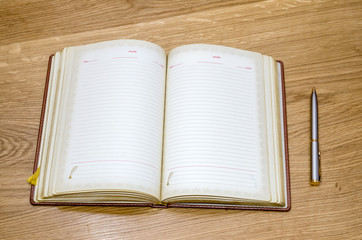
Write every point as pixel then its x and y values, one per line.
pixel 125 124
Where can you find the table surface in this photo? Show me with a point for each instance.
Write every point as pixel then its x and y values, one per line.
pixel 320 44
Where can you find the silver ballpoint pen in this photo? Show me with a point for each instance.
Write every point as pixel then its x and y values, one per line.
pixel 315 153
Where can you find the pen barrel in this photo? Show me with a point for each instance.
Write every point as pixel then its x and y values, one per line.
pixel 315 158
pixel 314 117
pixel 315 168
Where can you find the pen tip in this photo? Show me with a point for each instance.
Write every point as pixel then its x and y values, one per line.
pixel 313 89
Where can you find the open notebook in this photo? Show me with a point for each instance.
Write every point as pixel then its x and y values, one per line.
pixel 124 124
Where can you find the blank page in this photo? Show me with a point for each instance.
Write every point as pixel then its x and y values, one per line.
pixel 114 121
pixel 215 137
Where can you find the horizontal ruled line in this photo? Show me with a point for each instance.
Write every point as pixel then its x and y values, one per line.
pixel 87 61
pixel 175 65
pixel 159 64
pixel 123 57
pixel 210 62
pixel 115 161
pixel 249 68
pixel 208 166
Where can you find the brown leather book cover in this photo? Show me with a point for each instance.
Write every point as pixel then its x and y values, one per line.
pixel 214 206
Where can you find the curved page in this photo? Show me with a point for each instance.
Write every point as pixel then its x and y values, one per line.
pixel 113 121
pixel 215 125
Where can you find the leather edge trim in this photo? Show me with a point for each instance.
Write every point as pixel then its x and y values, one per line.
pixel 40 130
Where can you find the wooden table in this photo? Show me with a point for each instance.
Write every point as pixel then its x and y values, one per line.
pixel 320 44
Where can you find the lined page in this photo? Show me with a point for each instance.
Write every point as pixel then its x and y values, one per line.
pixel 215 139
pixel 114 130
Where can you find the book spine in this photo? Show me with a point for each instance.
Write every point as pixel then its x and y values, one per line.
pixel 160 205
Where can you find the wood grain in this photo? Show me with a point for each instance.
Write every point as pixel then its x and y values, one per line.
pixel 320 45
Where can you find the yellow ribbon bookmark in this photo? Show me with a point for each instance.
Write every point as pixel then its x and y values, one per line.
pixel 33 178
